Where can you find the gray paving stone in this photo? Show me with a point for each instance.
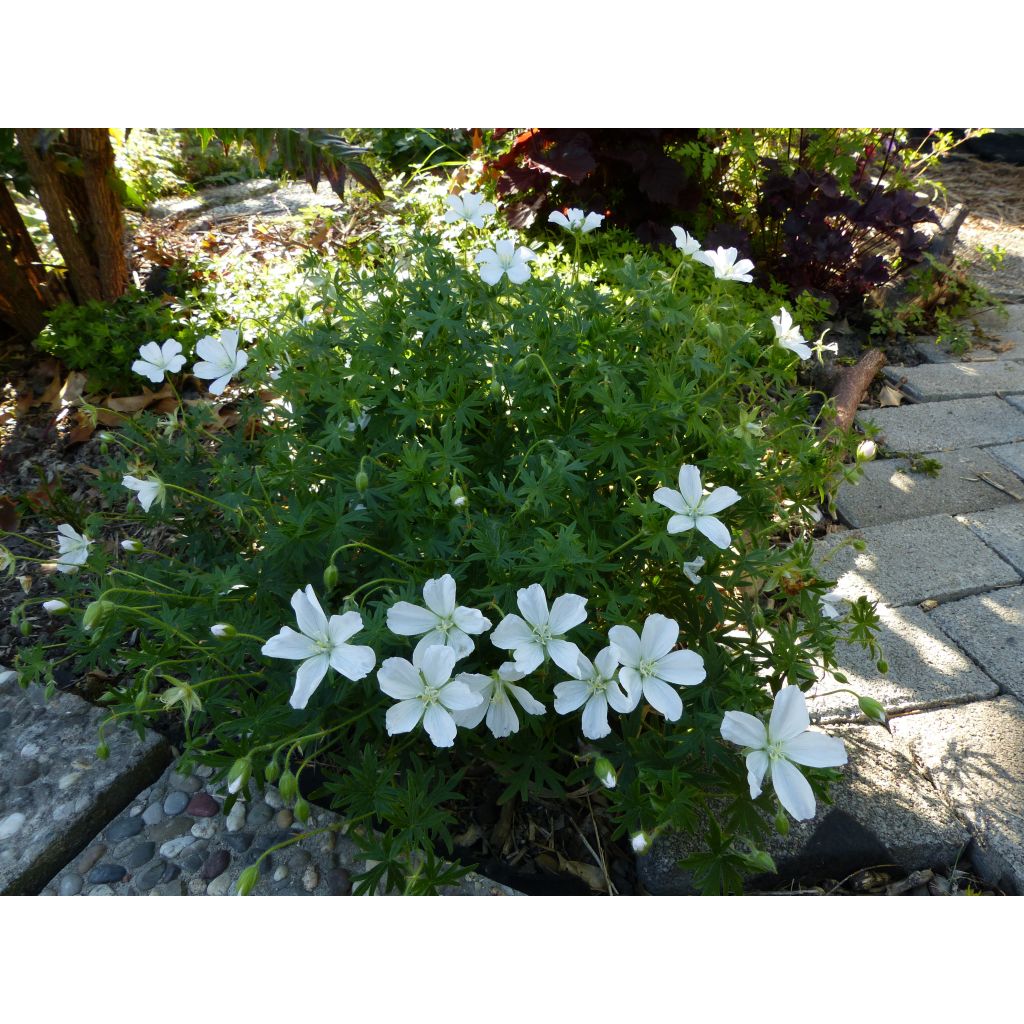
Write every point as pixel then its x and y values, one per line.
pixel 1008 345
pixel 1011 456
pixel 944 381
pixel 999 322
pixel 1002 529
pixel 889 491
pixel 943 426
pixel 926 670
pixel 1016 401
pixel 934 558
pixel 975 757
pixel 73 794
pixel 990 628
pixel 884 812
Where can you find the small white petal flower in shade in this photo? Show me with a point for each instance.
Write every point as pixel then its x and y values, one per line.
pixel 829 604
pixel 156 360
pixel 723 262
pixel 694 508
pixel 223 629
pixel 495 692
pixel 788 741
pixel 540 633
pixel 788 335
pixel 56 607
pixel 692 569
pixel 604 772
pixel 686 243
pixel 148 490
pixel 505 260
pixel 594 688
pixel 649 665
pixel 866 451
pixel 441 622
pixel 73 548
pixel 468 206
pixel 220 360
pixel 640 842
pixel 132 546
pixel 576 220
pixel 425 692
pixel 320 645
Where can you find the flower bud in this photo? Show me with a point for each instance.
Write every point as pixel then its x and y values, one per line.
pixel 289 785
pixel 25 582
pixel 605 772
pixel 102 750
pixel 239 774
pixel 25 628
pixel 134 546
pixel 57 607
pixel 640 841
pixel 866 451
pixel 362 481
pixel 96 613
pixel 105 436
pixel 781 822
pixel 223 629
pixel 247 881
pixel 457 495
pixel 272 771
pixel 331 576
pixel 873 710
pixel 882 666
pixel 301 810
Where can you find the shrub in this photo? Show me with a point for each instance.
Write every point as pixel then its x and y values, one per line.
pixel 512 437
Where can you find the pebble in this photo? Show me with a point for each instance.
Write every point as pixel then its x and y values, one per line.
pixel 71 884
pixel 283 818
pixel 168 889
pixel 11 825
pixel 169 829
pixel 103 873
pixel 239 842
pixel 310 878
pixel 202 805
pixel 30 750
pixel 135 811
pixel 193 860
pixel 339 883
pixel 260 814
pixel 125 828
pixel 150 877
pixel 153 814
pixel 205 828
pixel 139 855
pixel 25 774
pixel 204 771
pixel 170 872
pixel 298 860
pixel 281 873
pixel 273 798
pixel 216 864
pixel 196 887
pixel 68 780
pixel 236 819
pixel 327 842
pixel 174 846
pixel 5 719
pixel 101 890
pixel 184 783
pixel 89 858
pixel 176 802
pixel 220 886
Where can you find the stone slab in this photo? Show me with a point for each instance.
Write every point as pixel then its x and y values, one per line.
pixel 55 794
pixel 974 755
pixel 884 812
pixel 935 558
pixel 990 628
pixel 1008 345
pixel 945 381
pixel 175 840
pixel 1011 456
pixel 1002 530
pixel 926 670
pixel 890 491
pixel 1001 321
pixel 1016 402
pixel 943 426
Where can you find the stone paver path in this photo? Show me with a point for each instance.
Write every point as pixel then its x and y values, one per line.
pixel 944 559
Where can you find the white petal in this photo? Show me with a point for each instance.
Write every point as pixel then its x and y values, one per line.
pixel 502 719
pixel 663 698
pixel 341 627
pixel 440 726
pixel 607 662
pixel 307 679
pixel 439 596
pixel 567 612
pixel 482 686
pixel 682 668
pixel 789 716
pixel 793 790
pixel 436 664
pixel 557 217
pixel 512 632
pixel 564 654
pixel 658 637
pixel 746 730
pixel 714 530
pixel 620 700
pixel 595 718
pixel 690 486
pixel 816 750
pixel 405 619
pixel 526 700
pixel 154 373
pixel 670 499
pixel 533 603
pixel 458 696
pixel 353 662
pixel 399 679
pixel 309 615
pixel 403 717
pixel 528 658
pixel 680 524
pixel 720 498
pixel 625 645
pixel 757 765
pixel 289 644
pixel 570 695
pixel 471 620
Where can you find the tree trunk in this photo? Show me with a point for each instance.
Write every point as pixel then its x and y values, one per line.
pixel 21 305
pixel 48 287
pixel 105 214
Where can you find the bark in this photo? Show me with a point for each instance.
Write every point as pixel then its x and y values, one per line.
pixel 852 386
pixel 48 288
pixel 106 217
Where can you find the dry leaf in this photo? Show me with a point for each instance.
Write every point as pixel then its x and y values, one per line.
pixel 8 514
pixel 83 429
pixel 73 387
pixel 889 397
pixel 136 403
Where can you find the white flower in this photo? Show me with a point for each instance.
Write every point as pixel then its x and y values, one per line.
pixel 221 359
pixel 494 692
pixel 866 451
pixel 222 629
pixel 505 258
pixel 828 604
pixel 640 842
pixel 691 570
pixel 649 664
pixel 694 508
pixel 686 243
pixel 132 546
pixel 788 335
pixel 468 206
pixel 350 426
pixel 542 634
pixel 74 549
pixel 723 262
pixel 148 490
pixel 57 607
pixel 441 623
pixel 156 360
pixel 820 348
pixel 274 373
pixel 425 691
pixel 594 687
pixel 320 645
pixel 787 741
pixel 575 220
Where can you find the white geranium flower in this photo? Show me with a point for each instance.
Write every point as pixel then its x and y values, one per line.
pixel 132 546
pixel 147 490
pixel 494 692
pixel 723 262
pixel 156 360
pixel 595 686
pixel 649 664
pixel 686 243
pixel 576 220
pixel 441 622
pixel 504 259
pixel 788 335
pixel 468 206
pixel 320 645
pixel 542 634
pixel 221 359
pixel 425 691
pixel 640 842
pixel 776 750
pixel 694 508
pixel 73 547
pixel 829 605
pixel 56 607
pixel 692 569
